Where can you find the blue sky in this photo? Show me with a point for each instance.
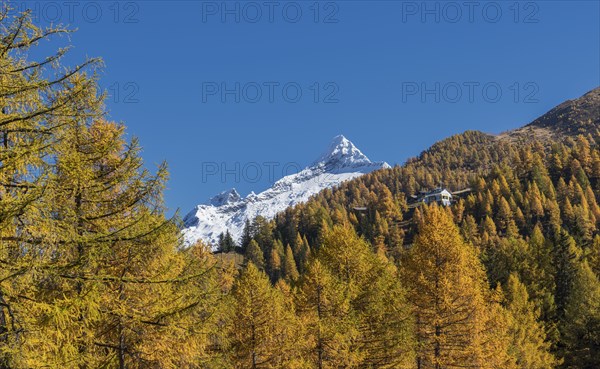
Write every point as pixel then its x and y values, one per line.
pixel 392 76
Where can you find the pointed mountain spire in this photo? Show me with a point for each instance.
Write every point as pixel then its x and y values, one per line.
pixel 228 211
pixel 341 153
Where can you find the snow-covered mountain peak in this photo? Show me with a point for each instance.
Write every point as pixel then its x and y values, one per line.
pixel 225 197
pixel 341 153
pixel 228 211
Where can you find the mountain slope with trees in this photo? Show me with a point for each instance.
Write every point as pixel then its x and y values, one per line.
pixel 531 212
pixel 571 118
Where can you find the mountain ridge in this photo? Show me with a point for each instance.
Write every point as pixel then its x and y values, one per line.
pixel 570 118
pixel 228 211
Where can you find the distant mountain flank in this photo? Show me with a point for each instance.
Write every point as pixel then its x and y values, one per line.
pixel 228 211
pixel 571 118
pixel 517 167
pixel 471 152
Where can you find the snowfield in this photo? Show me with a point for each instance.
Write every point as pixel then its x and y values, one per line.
pixel 229 211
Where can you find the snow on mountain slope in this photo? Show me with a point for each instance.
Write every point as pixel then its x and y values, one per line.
pixel 228 211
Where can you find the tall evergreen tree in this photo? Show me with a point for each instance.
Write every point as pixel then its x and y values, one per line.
pixel 36 94
pixel 324 312
pixel 116 262
pixel 255 255
pixel 355 306
pixel 246 236
pixel 290 271
pixel 593 255
pixel 226 243
pixel 265 331
pixel 529 345
pixel 565 255
pixel 580 327
pixel 99 279
pixel 457 318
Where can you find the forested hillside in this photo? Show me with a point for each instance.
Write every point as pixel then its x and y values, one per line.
pixel 92 274
pixel 529 211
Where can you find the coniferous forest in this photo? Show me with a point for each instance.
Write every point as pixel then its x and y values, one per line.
pixel 93 275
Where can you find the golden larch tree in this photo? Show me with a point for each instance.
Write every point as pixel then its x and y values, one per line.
pixel 458 321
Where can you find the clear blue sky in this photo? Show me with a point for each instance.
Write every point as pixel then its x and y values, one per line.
pixel 370 61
